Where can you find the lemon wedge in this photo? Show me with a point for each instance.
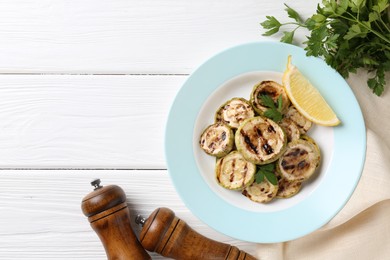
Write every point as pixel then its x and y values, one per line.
pixel 306 98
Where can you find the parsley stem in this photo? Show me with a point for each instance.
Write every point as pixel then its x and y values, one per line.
pixel 378 26
pixel 384 24
pixel 376 33
pixel 294 23
pixel 365 26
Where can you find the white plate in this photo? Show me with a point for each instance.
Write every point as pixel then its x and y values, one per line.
pixel 241 86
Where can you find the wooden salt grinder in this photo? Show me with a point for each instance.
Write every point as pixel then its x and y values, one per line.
pixel 171 237
pixel 109 216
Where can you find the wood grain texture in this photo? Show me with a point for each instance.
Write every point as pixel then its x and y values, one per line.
pixel 55 120
pixel 84 121
pixel 42 219
pixel 172 237
pixel 86 36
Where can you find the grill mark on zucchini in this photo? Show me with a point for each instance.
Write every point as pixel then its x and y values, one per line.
pixel 300 126
pixel 248 141
pixel 303 164
pixel 258 131
pixel 223 136
pixel 290 160
pixel 271 129
pixel 245 193
pixel 264 143
pixel 295 152
pixel 286 166
pixel 267 148
pixel 281 188
pixel 299 161
pixel 213 143
pixel 232 173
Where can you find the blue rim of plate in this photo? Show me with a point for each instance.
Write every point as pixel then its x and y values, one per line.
pixel 298 220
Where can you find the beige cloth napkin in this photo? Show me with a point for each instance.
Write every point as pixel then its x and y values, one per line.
pixel 361 230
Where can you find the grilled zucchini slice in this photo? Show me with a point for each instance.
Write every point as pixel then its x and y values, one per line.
pixel 302 123
pixel 291 129
pixel 299 161
pixel 260 140
pixel 233 172
pixel 273 90
pixel 217 139
pixel 311 140
pixel 262 192
pixel 234 112
pixel 288 188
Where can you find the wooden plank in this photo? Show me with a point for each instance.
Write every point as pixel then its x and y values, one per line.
pixel 86 36
pixel 73 121
pixel 42 219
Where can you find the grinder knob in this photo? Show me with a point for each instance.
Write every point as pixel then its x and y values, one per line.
pixel 109 216
pixel 171 237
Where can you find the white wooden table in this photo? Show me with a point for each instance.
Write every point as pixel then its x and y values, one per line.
pixel 85 90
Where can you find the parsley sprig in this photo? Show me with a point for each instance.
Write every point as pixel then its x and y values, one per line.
pixel 274 113
pixel 348 34
pixel 266 171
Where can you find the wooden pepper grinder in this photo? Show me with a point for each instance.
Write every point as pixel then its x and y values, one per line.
pixel 171 237
pixel 107 211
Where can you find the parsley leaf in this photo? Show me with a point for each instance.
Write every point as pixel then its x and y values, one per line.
pixel 293 14
pixel 287 37
pixel 266 171
pixel 267 101
pixel 274 113
pixel 280 103
pixel 271 177
pixel 259 176
pixel 377 83
pixel 271 23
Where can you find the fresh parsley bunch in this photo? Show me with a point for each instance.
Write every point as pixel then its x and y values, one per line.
pixel 348 34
